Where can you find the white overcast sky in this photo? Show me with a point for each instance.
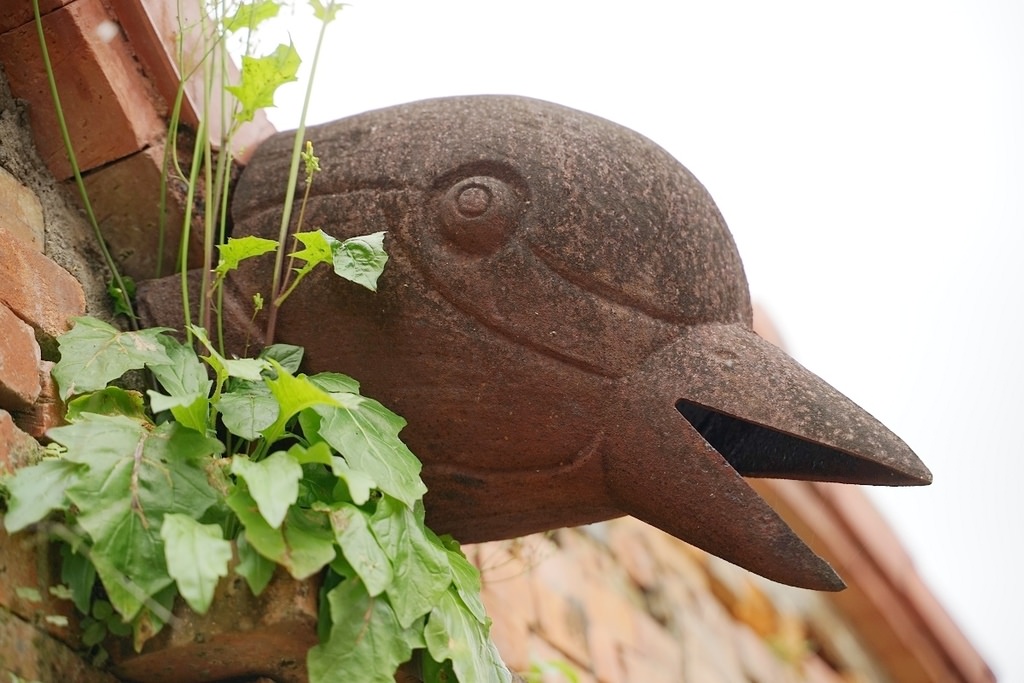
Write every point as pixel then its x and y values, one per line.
pixel 869 160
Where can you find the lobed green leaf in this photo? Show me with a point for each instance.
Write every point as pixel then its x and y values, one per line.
pixel 250 15
pixel 273 483
pixel 361 259
pixel 422 571
pixel 238 249
pixel 366 641
pixel 261 77
pixel 366 435
pixel 249 410
pixel 360 547
pixel 197 557
pixel 37 490
pixel 94 353
pixel 256 569
pixel 304 543
pixel 453 632
pixel 133 476
pixel 108 401
pixel 326 11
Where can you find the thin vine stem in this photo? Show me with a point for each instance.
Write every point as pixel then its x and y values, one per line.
pixel 289 198
pixel 73 161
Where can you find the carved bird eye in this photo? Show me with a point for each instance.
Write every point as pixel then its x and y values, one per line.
pixel 480 213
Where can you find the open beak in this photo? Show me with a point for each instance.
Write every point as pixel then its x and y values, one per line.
pixel 721 402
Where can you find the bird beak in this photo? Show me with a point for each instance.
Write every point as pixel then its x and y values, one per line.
pixel 721 402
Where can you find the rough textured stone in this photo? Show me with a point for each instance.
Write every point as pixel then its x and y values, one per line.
pixel 16 447
pixel 241 635
pixel 37 290
pixel 20 210
pixel 48 410
pixel 117 112
pixel 19 362
pixel 28 655
pixel 565 324
pixel 29 567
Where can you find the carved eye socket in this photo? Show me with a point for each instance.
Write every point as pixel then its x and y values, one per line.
pixel 480 213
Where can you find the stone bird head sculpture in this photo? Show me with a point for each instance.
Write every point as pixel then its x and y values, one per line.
pixel 565 324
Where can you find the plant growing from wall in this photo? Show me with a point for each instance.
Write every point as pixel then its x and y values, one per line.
pixel 151 494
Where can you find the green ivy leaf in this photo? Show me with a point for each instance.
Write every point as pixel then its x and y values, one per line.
pixel 93 353
pixel 304 544
pixel 184 375
pixel 238 249
pixel 293 394
pixel 249 410
pixel 465 578
pixel 134 476
pixel 78 574
pixel 361 259
pixel 248 369
pixel 256 569
pixel 326 12
pixel 360 547
pixel 366 641
pixel 358 484
pixel 453 632
pixel 273 483
pixel 261 77
pixel 335 383
pixel 108 401
pixel 38 490
pixel 122 298
pixel 366 435
pixel 422 571
pixel 250 15
pixel 186 384
pixel 197 557
pixel 317 249
pixel 288 355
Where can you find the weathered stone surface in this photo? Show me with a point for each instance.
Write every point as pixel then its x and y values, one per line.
pixel 19 362
pixel 20 210
pixel 37 290
pixel 26 654
pixel 16 447
pixel 241 635
pixel 565 324
pixel 48 410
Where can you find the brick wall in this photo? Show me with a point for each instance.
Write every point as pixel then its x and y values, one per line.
pixel 621 601
pixel 38 298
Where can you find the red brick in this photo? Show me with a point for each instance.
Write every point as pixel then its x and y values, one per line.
pixel 16 447
pixel 152 27
pixel 19 13
pixel 19 362
pixel 110 107
pixel 48 410
pixel 36 289
pixel 20 210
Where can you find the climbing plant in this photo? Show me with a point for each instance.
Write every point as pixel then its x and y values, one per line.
pixel 152 493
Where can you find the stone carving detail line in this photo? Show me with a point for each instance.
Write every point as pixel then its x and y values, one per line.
pixel 564 322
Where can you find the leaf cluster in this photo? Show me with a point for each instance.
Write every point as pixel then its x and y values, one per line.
pixel 246 465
